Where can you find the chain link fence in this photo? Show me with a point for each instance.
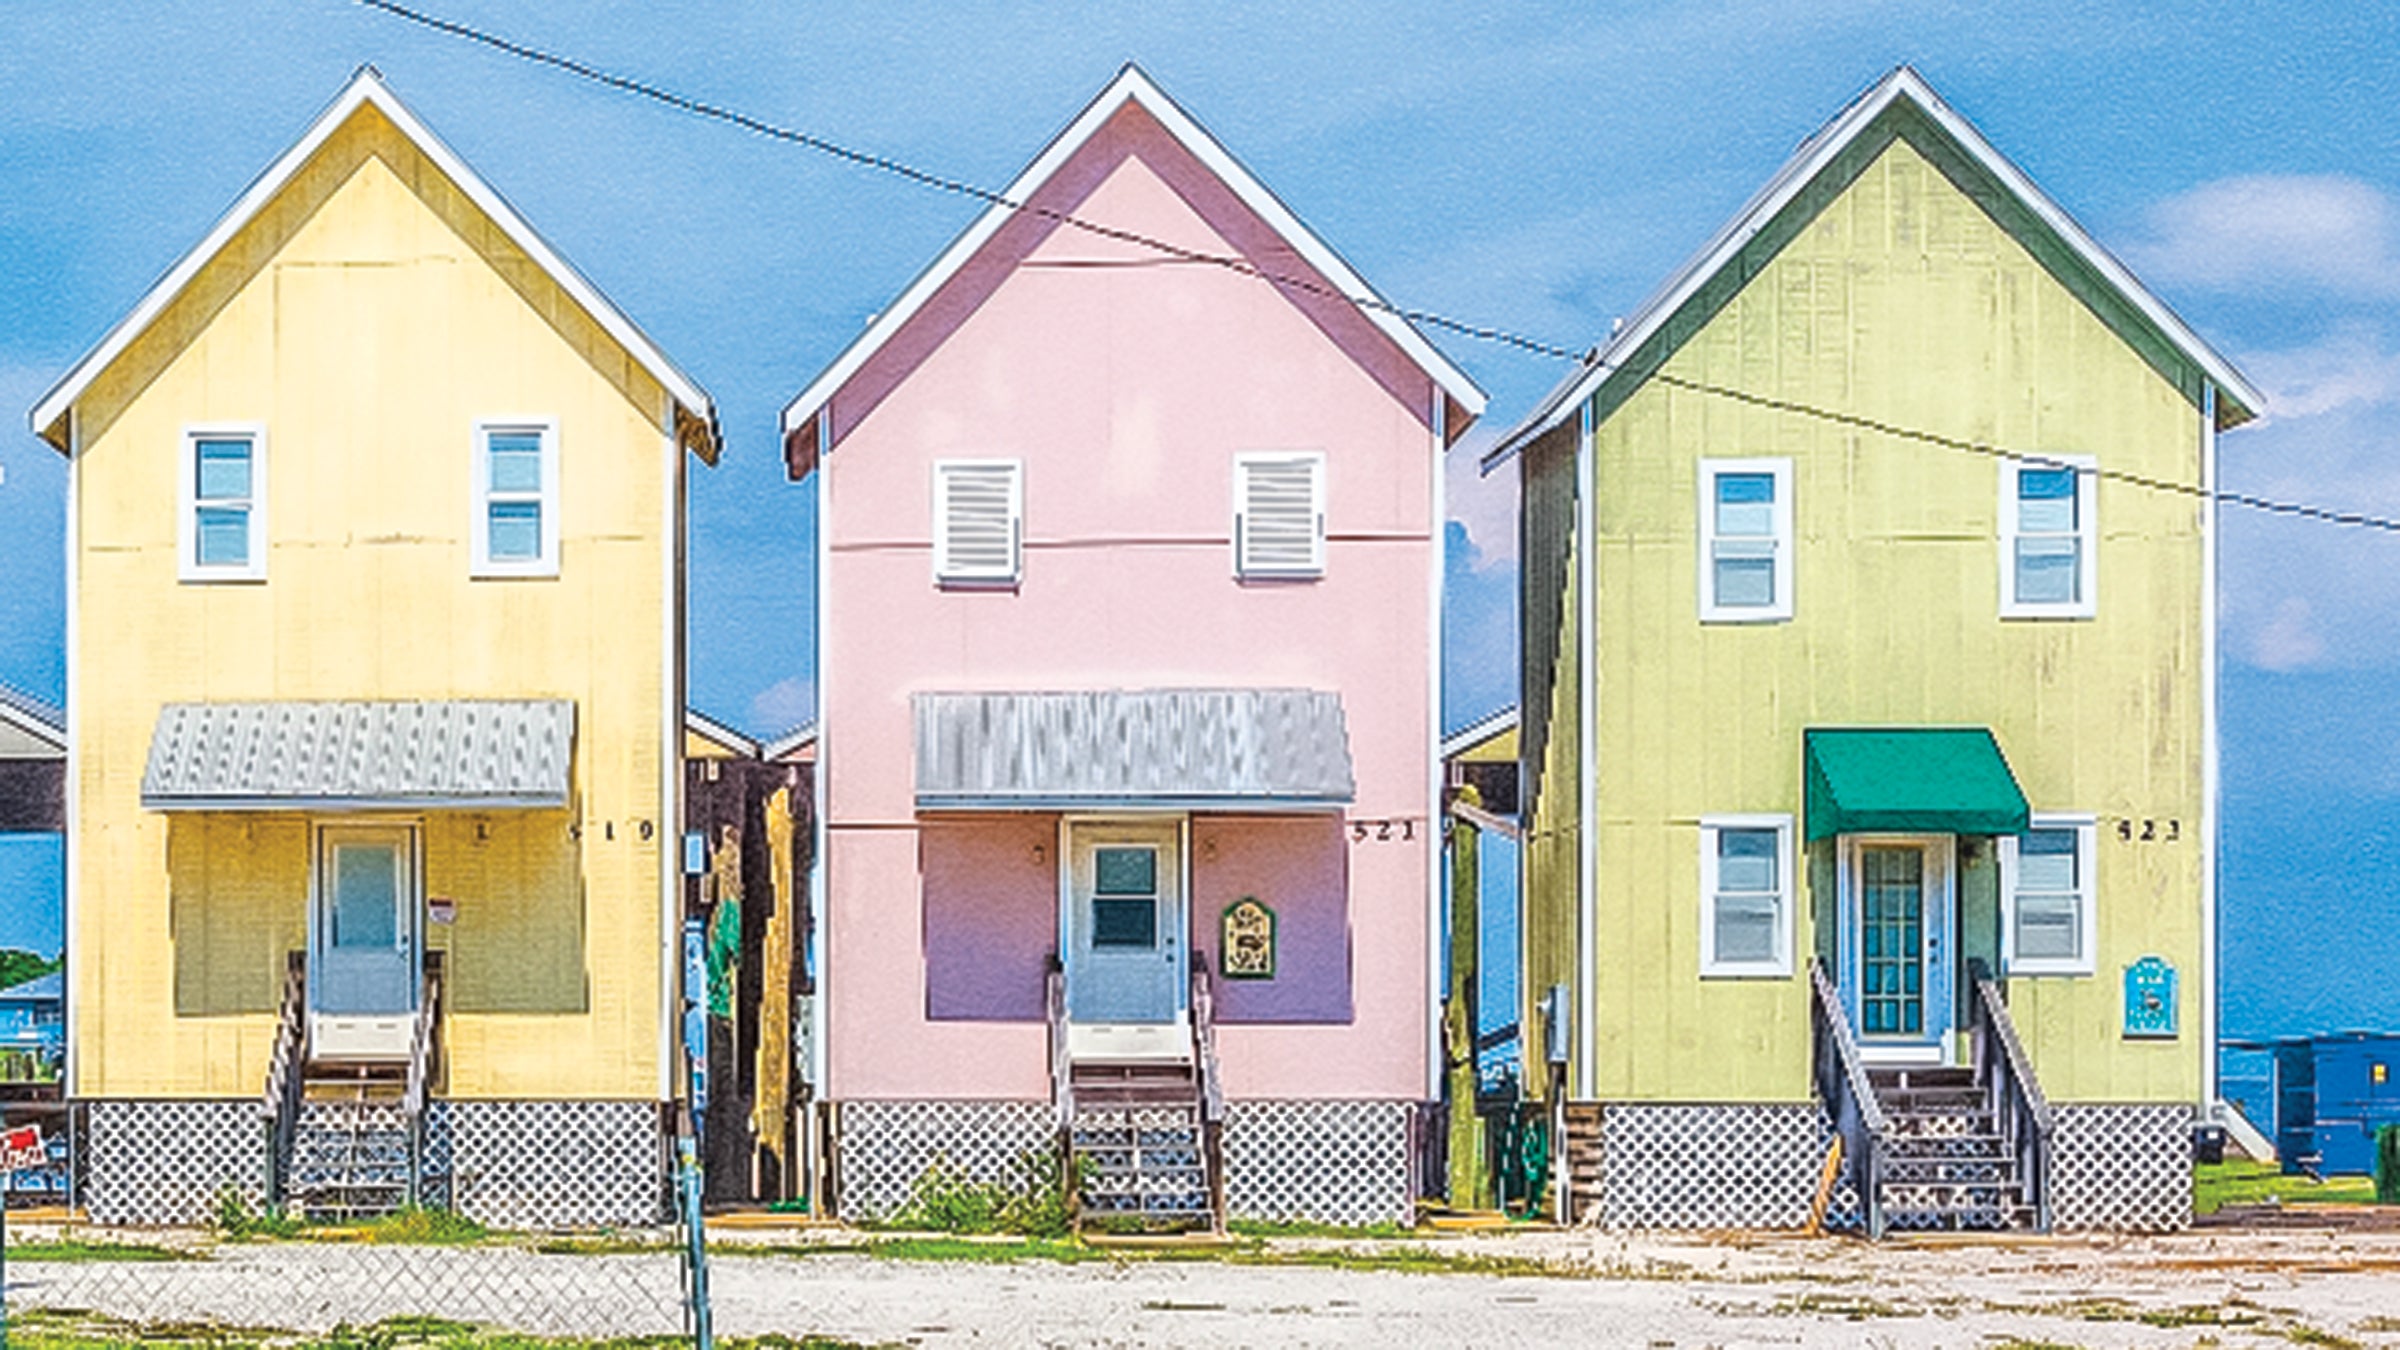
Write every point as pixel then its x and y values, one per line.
pixel 553 1288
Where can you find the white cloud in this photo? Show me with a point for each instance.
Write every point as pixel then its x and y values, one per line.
pixel 2349 366
pixel 1486 505
pixel 2268 232
pixel 784 704
pixel 2289 640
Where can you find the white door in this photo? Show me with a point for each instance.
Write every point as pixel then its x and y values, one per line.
pixel 362 971
pixel 1899 899
pixel 1126 945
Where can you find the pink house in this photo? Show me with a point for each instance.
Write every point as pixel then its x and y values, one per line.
pixel 1130 530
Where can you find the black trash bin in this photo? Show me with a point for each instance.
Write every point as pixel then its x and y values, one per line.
pixel 2208 1143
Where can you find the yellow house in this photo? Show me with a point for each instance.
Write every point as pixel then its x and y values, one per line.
pixel 375 615
pixel 1869 712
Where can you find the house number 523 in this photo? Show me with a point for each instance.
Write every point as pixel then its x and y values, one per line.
pixel 2150 831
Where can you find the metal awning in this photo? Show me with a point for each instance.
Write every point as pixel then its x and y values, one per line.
pixel 352 755
pixel 1160 748
pixel 1910 780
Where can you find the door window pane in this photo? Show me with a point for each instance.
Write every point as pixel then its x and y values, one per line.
pixel 1892 918
pixel 1125 871
pixel 1122 921
pixel 366 896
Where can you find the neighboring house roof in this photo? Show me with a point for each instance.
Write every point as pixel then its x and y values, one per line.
pixel 49 988
pixel 1131 86
pixel 30 728
pixel 366 88
pixel 1116 747
pixel 709 729
pixel 790 743
pixel 1654 331
pixel 356 754
pixel 1467 740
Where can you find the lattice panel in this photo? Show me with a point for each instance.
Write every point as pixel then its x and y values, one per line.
pixel 883 1147
pixel 1730 1165
pixel 2126 1168
pixel 554 1164
pixel 165 1162
pixel 1341 1162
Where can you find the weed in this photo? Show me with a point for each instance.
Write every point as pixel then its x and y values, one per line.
pixel 1034 1201
pixel 236 1220
pixel 423 1225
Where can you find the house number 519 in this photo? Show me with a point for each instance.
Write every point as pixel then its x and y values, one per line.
pixel 2149 831
pixel 1382 830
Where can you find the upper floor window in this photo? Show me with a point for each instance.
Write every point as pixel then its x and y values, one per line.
pixel 978 521
pixel 223 523
pixel 2048 537
pixel 1746 895
pixel 516 499
pixel 2048 912
pixel 1279 514
pixel 1745 540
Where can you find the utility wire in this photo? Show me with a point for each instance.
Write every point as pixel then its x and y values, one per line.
pixel 1314 286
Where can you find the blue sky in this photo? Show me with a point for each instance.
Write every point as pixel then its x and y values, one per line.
pixel 1538 167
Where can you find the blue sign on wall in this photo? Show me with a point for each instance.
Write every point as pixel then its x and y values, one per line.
pixel 2150 999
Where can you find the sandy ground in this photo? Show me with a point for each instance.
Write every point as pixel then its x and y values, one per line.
pixel 2209 1288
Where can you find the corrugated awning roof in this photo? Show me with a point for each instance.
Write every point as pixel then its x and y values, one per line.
pixel 358 755
pixel 1186 748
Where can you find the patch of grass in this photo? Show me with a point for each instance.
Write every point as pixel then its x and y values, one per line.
pixel 237 1220
pixel 1848 1307
pixel 76 1249
pixel 41 1329
pixel 1064 1250
pixel 422 1225
pixel 1301 1228
pixel 2216 1185
pixel 1032 1201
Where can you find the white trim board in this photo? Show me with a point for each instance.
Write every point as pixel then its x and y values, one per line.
pixel 1130 86
pixel 1814 156
pixel 367 87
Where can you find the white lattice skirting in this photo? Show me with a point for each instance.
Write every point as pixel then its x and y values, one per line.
pixel 881 1148
pixel 165 1162
pixel 1710 1164
pixel 507 1164
pixel 1340 1162
pixel 2124 1168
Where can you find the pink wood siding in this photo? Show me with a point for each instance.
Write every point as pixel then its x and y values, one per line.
pixel 1300 868
pixel 990 888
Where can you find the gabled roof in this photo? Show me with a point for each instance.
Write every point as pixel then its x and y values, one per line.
pixel 48 417
pixel 34 718
pixel 1475 735
pixel 1131 86
pixel 790 742
pixel 2137 315
pixel 709 729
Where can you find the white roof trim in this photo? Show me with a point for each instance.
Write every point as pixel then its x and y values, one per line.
pixel 1813 156
pixel 367 86
pixel 15 712
pixel 1132 86
pixel 789 741
pixel 708 728
pixel 1476 733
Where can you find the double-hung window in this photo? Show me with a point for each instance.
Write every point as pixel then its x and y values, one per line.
pixel 1746 895
pixel 2047 920
pixel 1279 514
pixel 516 499
pixel 1745 540
pixel 978 522
pixel 223 526
pixel 2048 537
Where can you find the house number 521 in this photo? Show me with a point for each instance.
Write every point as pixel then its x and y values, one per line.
pixel 1382 830
pixel 2150 831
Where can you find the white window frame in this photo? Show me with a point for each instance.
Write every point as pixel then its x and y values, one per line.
pixel 481 494
pixel 2087 891
pixel 946 572
pixel 1784 541
pixel 1787 893
pixel 1242 463
pixel 2087 536
pixel 187 506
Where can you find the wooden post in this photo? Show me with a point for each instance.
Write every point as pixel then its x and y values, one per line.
pixel 1466 1170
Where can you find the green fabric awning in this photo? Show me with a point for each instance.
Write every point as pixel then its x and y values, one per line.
pixel 1910 780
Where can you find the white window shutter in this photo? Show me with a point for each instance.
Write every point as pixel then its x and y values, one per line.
pixel 1279 515
pixel 978 519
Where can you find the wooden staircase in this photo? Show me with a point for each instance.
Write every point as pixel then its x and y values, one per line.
pixel 1946 1164
pixel 346 1139
pixel 1138 1141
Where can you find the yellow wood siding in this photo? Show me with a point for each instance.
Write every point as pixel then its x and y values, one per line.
pixel 1547 725
pixel 1902 302
pixel 366 319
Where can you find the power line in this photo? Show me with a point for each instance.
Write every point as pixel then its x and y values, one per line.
pixel 1178 253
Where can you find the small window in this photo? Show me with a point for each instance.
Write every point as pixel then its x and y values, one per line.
pixel 224 504
pixel 1279 515
pixel 2048 913
pixel 1745 540
pixel 2048 537
pixel 1746 896
pixel 516 499
pixel 1125 897
pixel 978 521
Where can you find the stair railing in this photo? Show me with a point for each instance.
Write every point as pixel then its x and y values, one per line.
pixel 1211 1087
pixel 424 1055
pixel 1849 1097
pixel 279 1104
pixel 2012 1094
